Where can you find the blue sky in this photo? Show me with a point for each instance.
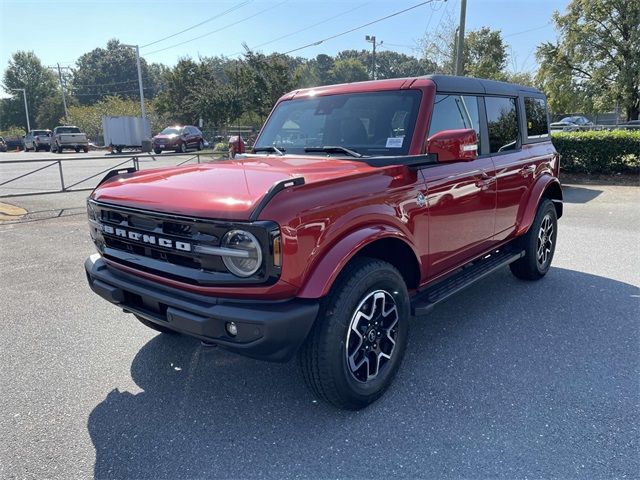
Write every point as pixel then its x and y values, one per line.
pixel 62 30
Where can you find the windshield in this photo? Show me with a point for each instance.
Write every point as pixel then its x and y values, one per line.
pixel 377 123
pixel 68 130
pixel 171 131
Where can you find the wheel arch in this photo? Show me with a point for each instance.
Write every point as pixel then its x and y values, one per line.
pixel 547 187
pixel 382 243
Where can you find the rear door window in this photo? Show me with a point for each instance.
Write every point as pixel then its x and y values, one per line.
pixel 502 124
pixel 454 112
pixel 536 112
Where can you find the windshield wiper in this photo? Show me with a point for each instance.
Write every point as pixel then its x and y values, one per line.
pixel 334 149
pixel 270 148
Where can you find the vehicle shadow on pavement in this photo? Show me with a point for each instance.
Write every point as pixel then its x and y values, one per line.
pixel 572 194
pixel 508 379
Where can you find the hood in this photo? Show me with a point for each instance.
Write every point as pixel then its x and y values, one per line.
pixel 222 190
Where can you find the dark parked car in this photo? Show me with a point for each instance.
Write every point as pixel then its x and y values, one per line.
pixel 571 123
pixel 179 139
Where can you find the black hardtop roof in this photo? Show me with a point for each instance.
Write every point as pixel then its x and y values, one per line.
pixel 453 84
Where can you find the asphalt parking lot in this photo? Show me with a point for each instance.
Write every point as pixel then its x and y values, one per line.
pixel 507 380
pixel 80 170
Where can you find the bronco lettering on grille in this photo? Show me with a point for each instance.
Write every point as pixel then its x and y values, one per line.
pixel 144 238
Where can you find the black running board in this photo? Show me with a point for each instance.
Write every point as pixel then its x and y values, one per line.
pixel 426 299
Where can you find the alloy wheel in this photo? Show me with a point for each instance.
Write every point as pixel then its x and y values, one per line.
pixel 371 339
pixel 544 245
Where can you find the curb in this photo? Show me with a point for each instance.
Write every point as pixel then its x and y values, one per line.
pixel 11 212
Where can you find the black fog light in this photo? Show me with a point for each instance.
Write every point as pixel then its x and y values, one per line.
pixel 231 328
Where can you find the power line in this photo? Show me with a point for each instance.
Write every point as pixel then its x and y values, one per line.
pixel 104 84
pixel 313 44
pixel 305 28
pixel 528 30
pixel 105 94
pixel 219 29
pixel 235 7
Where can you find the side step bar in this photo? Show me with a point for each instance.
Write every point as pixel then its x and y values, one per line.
pixel 465 276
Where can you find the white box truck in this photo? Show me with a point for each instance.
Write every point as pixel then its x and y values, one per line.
pixel 125 132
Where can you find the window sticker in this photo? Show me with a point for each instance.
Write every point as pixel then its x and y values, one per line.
pixel 394 142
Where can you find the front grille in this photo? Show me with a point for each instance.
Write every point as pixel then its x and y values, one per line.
pixel 166 244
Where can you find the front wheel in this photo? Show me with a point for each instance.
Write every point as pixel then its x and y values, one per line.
pixel 539 244
pixel 200 145
pixel 183 147
pixel 358 340
pixel 157 151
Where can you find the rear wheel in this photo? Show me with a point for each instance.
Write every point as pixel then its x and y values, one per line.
pixel 77 149
pixel 539 244
pixel 85 149
pixel 157 151
pixel 357 343
pixel 155 326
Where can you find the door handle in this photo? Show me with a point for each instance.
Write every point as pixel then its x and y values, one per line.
pixel 485 181
pixel 524 171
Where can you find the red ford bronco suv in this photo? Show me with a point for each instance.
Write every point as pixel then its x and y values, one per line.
pixel 360 205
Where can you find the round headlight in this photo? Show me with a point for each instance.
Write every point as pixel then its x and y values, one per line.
pixel 249 257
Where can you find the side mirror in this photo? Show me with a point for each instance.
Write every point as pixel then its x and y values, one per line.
pixel 454 145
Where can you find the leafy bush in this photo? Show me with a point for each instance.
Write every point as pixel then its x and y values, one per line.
pixel 605 151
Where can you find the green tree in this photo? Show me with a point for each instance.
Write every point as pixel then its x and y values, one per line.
pixel 485 54
pixel 348 70
pixel 26 71
pixel 89 117
pixel 112 71
pixel 51 113
pixel 597 58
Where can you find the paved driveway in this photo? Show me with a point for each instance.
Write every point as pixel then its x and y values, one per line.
pixel 507 380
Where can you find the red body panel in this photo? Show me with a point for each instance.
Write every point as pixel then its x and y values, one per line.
pixel 446 213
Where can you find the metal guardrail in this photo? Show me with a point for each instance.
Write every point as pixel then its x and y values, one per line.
pixel 65 187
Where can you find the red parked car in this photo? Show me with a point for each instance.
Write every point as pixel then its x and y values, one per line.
pixel 179 139
pixel 361 205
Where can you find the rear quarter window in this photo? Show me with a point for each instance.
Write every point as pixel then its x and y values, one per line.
pixel 536 115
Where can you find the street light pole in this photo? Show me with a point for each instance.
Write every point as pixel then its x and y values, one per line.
pixel 26 108
pixel 372 39
pixel 142 110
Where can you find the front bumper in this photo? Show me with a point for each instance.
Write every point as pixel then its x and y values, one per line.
pixel 266 330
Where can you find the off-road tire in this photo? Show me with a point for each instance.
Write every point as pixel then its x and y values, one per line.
pixel 530 267
pixel 155 326
pixel 323 357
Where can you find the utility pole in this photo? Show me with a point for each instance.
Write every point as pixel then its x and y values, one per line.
pixel 64 100
pixel 26 108
pixel 460 46
pixel 142 110
pixel 372 39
